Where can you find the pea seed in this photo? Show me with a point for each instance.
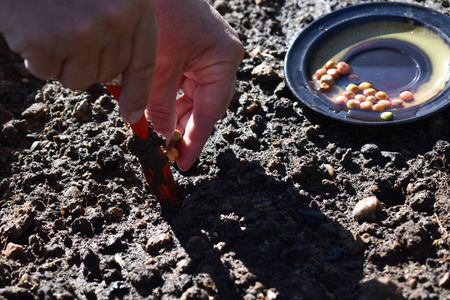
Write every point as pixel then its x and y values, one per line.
pixel 173 154
pixel 352 88
pixel 176 137
pixel 330 65
pixel 319 73
pixel 386 103
pixel 327 79
pixel 378 107
pixel 365 85
pixel 360 97
pixel 397 102
pixel 371 99
pixel 387 115
pixel 370 92
pixel 353 77
pixel 323 87
pixel 352 104
pixel 406 96
pixel 333 73
pixel 348 94
pixel 343 68
pixel 341 99
pixel 381 95
pixel 366 105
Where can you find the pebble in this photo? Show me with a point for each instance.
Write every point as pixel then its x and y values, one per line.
pixel 114 213
pixel 158 242
pixel 265 73
pixel 366 209
pixel 13 251
pixel 36 110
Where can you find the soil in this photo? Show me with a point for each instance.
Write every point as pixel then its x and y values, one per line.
pixel 267 211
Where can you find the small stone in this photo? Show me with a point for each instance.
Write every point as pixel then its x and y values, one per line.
pixel 367 209
pixel 72 193
pixel 13 251
pixel 265 73
pixel 158 242
pixel 36 110
pixel 114 213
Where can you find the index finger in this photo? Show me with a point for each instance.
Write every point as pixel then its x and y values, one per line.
pixel 138 75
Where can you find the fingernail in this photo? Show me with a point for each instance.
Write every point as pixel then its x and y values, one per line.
pixel 133 117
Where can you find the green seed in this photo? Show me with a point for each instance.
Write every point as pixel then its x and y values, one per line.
pixel 387 115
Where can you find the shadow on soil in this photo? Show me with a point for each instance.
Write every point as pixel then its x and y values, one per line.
pixel 252 230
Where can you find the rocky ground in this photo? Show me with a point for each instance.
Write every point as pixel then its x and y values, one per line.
pixel 268 210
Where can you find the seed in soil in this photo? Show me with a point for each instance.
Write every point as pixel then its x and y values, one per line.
pixel 343 68
pixel 381 95
pixel 323 87
pixel 327 79
pixel 367 209
pixel 173 154
pixel 341 99
pixel 371 99
pixel 353 104
pixel 378 107
pixel 333 73
pixel 352 88
pixel 386 103
pixel 370 92
pixel 176 137
pixel 330 65
pixel 387 115
pixel 319 73
pixel 360 97
pixel 406 96
pixel 348 94
pixel 366 105
pixel 397 102
pixel 365 85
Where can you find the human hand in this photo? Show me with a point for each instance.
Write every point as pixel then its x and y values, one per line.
pixel 200 53
pixel 86 41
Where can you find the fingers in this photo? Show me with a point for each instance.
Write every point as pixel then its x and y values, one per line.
pixel 210 104
pixel 137 77
pixel 161 109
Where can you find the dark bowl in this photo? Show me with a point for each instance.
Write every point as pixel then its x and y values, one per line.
pixel 395 46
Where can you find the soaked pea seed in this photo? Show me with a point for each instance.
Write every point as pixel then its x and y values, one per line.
pixel 387 115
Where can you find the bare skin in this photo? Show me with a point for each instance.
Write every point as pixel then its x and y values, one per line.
pixel 200 53
pixel 86 41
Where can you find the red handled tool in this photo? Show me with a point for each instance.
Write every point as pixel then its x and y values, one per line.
pixel 156 169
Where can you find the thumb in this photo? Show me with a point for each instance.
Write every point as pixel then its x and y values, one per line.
pixel 138 75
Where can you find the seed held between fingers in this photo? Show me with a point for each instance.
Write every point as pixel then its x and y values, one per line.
pixel 176 137
pixel 173 154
